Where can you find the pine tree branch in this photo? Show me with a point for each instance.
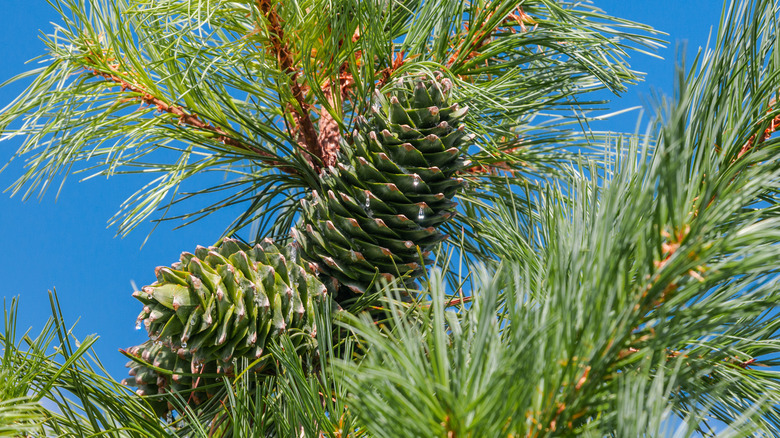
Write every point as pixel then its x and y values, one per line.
pixel 773 126
pixel 330 132
pixel 186 117
pixel 281 50
pixel 483 34
pixel 386 73
pixel 494 168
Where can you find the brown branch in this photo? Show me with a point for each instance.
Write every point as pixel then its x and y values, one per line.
pixel 187 117
pixel 451 303
pixel 395 64
pixel 458 301
pixel 746 364
pixel 518 17
pixel 494 168
pixel 303 123
pixel 480 42
pixel 489 169
pixel 773 126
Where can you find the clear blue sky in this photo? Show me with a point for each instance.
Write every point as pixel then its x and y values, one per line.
pixel 65 243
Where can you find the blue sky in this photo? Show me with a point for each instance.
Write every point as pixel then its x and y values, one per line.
pixel 65 243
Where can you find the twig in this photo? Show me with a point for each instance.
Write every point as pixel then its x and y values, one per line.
pixel 458 301
pixel 490 169
pixel 773 126
pixel 518 17
pixel 493 168
pixel 329 138
pixel 451 303
pixel 395 64
pixel 303 122
pixel 187 117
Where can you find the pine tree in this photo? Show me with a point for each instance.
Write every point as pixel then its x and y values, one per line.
pixel 430 243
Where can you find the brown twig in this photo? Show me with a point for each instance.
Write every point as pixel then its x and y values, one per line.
pixel 515 18
pixel 278 46
pixel 481 41
pixel 774 124
pixel 458 301
pixel 746 364
pixel 489 169
pixel 451 303
pixel 186 117
pixel 493 168
pixel 395 64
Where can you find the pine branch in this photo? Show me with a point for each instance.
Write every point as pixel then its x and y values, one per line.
pixel 186 117
pixel 469 47
pixel 279 48
pixel 330 132
pixel 773 126
pixel 395 64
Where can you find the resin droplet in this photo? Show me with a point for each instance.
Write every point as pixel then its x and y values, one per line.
pixel 183 345
pixel 368 201
pixel 416 181
pixel 138 325
pixel 420 214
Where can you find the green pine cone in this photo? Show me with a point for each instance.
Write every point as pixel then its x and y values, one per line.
pixel 195 385
pixel 381 206
pixel 229 301
pixel 221 303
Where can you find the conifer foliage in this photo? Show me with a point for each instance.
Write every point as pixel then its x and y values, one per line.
pixel 430 243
